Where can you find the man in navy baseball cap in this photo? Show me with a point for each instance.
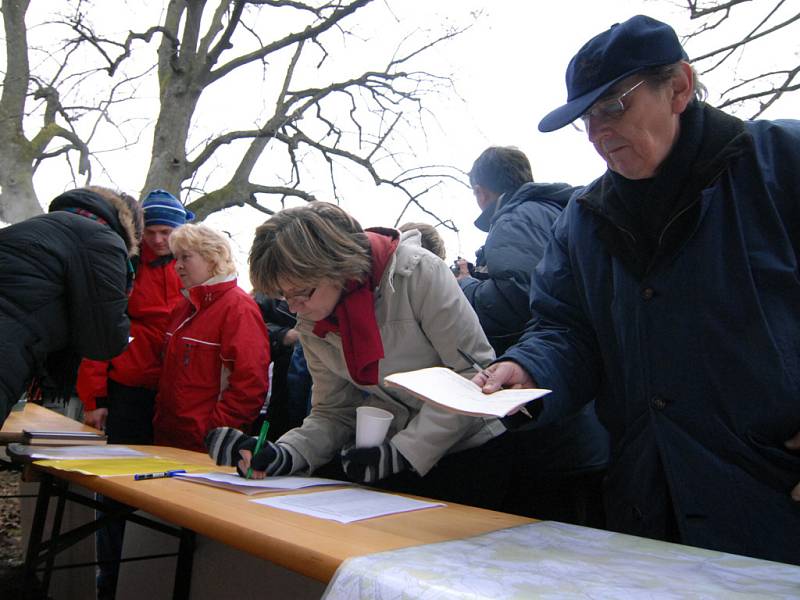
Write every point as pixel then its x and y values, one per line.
pixel 620 51
pixel 689 238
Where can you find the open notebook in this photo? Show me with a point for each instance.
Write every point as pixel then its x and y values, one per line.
pixel 458 394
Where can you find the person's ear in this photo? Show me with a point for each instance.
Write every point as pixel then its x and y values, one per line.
pixel 682 88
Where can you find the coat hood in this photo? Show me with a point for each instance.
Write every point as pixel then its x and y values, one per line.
pixel 556 194
pixel 122 214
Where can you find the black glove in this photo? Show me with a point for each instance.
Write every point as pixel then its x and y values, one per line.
pixel 275 459
pixel 368 465
pixel 224 444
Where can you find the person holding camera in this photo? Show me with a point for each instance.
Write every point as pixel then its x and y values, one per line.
pixel 562 464
pixel 517 215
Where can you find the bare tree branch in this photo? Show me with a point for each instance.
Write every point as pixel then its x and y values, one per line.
pixel 750 91
pixel 339 13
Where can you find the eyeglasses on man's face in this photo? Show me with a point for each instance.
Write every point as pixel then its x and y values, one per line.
pixel 607 110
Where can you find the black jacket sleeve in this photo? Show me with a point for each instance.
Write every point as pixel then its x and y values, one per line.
pixel 96 289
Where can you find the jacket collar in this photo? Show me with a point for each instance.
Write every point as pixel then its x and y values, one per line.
pixel 723 139
pixel 208 292
pixel 484 222
pixel 151 259
pixel 555 194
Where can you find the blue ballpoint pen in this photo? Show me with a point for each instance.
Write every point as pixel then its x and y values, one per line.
pixel 162 474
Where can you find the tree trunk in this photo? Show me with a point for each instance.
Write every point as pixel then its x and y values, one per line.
pixel 180 89
pixel 17 196
pixel 167 168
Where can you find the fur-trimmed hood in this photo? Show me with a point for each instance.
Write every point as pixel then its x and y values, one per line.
pixel 122 214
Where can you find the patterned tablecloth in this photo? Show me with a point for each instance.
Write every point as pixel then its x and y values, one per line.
pixel 555 560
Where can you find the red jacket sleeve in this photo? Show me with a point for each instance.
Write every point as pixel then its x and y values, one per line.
pixel 92 382
pixel 245 355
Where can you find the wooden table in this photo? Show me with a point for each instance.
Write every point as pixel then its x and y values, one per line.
pixel 309 546
pixel 36 417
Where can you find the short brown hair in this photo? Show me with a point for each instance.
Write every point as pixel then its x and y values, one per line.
pixel 208 243
pixel 431 240
pixel 501 169
pixel 306 244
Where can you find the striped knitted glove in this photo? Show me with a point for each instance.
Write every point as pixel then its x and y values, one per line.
pixel 224 444
pixel 272 458
pixel 368 465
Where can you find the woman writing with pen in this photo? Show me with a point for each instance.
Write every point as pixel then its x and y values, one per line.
pixel 371 303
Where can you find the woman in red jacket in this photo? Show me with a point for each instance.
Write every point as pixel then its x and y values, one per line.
pixel 216 354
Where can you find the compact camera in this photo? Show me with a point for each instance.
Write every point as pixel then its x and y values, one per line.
pixel 456 271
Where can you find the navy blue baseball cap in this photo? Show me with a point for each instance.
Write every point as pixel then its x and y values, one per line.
pixel 622 50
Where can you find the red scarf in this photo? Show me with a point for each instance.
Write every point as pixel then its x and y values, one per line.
pixel 354 316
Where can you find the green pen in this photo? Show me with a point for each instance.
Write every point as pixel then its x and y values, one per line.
pixel 262 437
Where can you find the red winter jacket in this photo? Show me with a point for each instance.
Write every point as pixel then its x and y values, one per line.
pixel 216 361
pixel 156 292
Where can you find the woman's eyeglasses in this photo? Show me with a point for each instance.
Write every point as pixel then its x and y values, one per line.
pixel 300 296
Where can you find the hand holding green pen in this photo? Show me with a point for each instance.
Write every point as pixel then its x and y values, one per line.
pixel 262 437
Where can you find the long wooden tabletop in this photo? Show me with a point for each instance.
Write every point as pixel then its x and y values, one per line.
pixel 309 546
pixel 36 417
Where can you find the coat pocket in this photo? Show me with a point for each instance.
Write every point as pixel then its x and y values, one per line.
pixel 200 363
pixel 781 464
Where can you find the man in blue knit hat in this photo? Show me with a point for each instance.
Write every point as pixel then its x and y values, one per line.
pixel 119 395
pixel 670 292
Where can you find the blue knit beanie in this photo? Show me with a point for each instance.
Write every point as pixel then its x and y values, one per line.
pixel 162 208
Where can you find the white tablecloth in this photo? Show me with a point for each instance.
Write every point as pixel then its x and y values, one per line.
pixel 555 560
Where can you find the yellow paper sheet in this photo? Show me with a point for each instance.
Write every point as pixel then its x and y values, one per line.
pixel 106 467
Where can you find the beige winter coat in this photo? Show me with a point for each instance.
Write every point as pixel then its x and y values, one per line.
pixel 424 318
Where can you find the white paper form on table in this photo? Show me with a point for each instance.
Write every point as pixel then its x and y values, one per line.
pixel 456 393
pixel 233 482
pixel 346 506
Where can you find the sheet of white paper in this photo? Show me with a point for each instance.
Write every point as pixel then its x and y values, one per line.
pixel 233 482
pixel 78 452
pixel 346 506
pixel 449 389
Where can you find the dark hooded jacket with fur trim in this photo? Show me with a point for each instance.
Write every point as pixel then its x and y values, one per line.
pixel 63 282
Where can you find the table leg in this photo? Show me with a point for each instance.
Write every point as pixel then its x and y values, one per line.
pixel 183 569
pixel 35 539
pixel 55 535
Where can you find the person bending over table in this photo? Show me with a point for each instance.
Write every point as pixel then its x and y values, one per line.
pixel 370 303
pixel 216 355
pixel 64 283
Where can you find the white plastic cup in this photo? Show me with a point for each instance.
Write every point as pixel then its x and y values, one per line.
pixel 372 423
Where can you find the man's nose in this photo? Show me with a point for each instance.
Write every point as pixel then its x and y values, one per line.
pixel 596 128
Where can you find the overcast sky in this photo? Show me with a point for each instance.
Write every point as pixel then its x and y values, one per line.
pixel 508 71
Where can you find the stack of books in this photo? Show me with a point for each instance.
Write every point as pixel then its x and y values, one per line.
pixel 62 438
